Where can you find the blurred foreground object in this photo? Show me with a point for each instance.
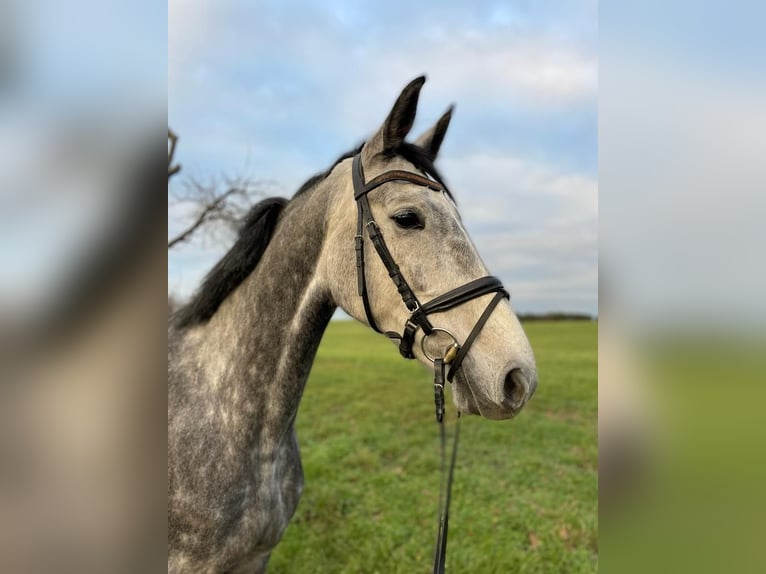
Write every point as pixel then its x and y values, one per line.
pixel 682 129
pixel 627 423
pixel 82 399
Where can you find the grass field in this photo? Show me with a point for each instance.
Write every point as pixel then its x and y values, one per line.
pixel 525 492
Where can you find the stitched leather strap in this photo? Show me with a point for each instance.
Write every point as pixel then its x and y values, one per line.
pixel 447 301
pixel 440 553
pixel 366 224
pixel 455 365
pixel 407 340
pixel 463 294
pixel 399 175
pixel 439 389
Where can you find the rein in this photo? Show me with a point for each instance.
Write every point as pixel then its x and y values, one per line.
pixel 455 353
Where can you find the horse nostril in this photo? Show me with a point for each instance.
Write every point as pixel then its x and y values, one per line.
pixel 516 387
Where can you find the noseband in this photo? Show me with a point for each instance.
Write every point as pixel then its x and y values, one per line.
pixel 418 319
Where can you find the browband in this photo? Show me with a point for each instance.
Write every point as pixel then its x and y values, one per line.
pixel 398 175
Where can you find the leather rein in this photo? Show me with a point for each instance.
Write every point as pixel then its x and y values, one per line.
pixel 455 353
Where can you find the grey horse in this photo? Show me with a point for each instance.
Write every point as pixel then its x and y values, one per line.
pixel 240 351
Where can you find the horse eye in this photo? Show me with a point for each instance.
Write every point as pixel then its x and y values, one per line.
pixel 408 220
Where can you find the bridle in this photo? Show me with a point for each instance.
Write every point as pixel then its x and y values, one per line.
pixel 418 319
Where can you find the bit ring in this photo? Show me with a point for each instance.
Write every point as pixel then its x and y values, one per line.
pixel 455 344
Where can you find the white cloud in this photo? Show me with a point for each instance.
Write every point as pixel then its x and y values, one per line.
pixel 534 226
pixel 492 177
pixel 540 72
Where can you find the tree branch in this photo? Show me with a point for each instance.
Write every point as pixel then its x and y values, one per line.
pixel 216 211
pixel 207 211
pixel 172 169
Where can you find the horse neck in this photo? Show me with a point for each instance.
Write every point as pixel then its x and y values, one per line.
pixel 261 343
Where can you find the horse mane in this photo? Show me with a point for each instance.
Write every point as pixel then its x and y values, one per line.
pixel 255 234
pixel 235 266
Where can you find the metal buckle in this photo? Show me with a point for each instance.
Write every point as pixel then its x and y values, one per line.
pixel 455 345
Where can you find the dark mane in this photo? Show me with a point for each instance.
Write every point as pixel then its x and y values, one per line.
pixel 243 257
pixel 235 266
pixel 255 234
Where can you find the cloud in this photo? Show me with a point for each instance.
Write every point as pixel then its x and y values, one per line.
pixel 532 71
pixel 534 226
pixel 345 52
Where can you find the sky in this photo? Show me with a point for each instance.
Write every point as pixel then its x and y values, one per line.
pixel 277 91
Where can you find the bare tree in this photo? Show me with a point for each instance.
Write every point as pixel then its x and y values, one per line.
pixel 216 208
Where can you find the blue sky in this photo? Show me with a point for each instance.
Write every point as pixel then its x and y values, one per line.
pixel 277 90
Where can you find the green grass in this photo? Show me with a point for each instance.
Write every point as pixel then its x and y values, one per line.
pixel 525 491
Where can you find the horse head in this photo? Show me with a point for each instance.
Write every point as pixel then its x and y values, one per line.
pixel 427 286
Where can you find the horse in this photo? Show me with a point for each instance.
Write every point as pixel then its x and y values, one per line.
pixel 240 352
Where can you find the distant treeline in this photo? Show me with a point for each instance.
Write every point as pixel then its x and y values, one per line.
pixel 555 316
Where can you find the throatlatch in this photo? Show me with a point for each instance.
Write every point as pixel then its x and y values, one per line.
pixel 454 354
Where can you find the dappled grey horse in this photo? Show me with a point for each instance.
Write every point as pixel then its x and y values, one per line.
pixel 240 352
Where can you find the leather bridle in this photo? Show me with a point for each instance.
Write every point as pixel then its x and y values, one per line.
pixel 418 319
pixel 419 313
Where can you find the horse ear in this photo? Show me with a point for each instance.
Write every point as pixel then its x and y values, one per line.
pixel 432 140
pixel 399 121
